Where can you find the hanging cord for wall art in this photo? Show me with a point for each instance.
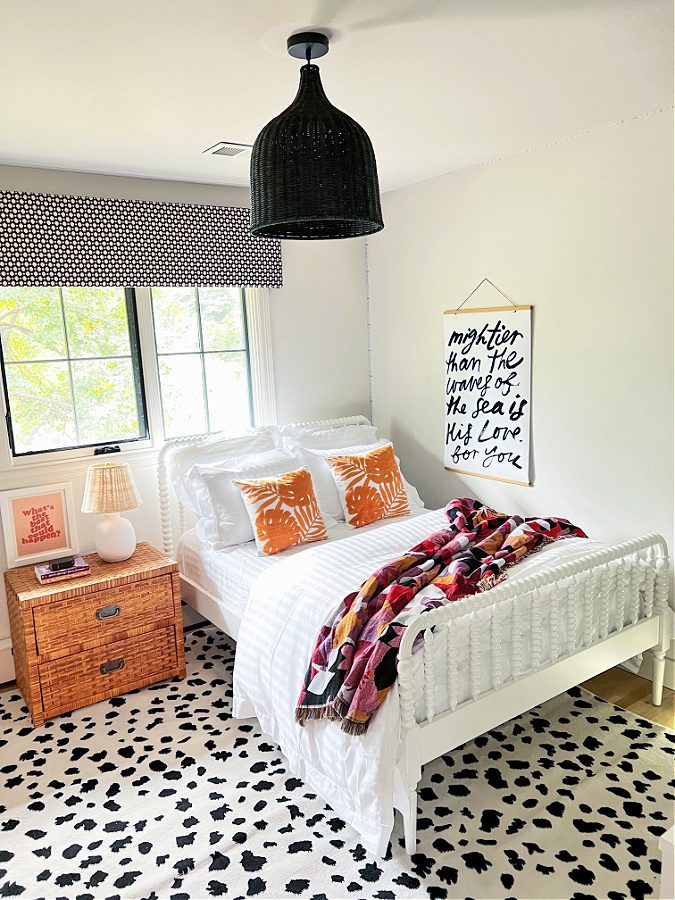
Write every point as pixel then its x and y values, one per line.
pixel 514 305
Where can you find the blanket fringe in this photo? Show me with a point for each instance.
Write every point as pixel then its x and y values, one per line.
pixel 335 710
pixel 308 713
pixel 354 728
pixel 340 708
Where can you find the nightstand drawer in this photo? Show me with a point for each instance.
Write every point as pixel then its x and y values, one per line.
pixel 94 675
pixel 66 626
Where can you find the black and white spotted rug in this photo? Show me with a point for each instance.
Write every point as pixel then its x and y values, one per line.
pixel 161 794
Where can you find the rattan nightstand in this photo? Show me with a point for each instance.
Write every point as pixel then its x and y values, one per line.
pixel 80 641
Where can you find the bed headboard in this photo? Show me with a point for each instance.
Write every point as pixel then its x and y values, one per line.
pixel 173 529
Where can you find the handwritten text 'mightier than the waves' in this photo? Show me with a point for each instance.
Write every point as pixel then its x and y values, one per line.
pixel 483 403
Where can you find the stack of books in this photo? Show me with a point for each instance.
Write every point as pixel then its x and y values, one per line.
pixel 45 575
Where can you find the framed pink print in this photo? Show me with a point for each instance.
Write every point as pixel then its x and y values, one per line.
pixel 38 524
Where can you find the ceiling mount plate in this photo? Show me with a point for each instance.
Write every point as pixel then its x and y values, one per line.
pixel 316 41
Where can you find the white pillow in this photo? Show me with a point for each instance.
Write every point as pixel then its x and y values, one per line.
pixel 215 451
pixel 327 438
pixel 324 480
pixel 230 523
pixel 196 485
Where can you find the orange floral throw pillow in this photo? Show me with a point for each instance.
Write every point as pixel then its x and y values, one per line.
pixel 370 486
pixel 284 511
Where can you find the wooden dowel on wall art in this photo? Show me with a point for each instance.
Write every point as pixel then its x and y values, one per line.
pixel 490 477
pixel 484 309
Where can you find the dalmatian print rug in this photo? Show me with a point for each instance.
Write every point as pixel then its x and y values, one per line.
pixel 162 794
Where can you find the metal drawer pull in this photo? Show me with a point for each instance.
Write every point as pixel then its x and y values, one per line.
pixel 113 665
pixel 108 612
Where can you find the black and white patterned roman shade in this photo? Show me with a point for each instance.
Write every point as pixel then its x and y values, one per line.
pixel 47 239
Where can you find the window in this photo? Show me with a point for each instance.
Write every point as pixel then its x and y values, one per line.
pixel 202 358
pixel 82 367
pixel 71 368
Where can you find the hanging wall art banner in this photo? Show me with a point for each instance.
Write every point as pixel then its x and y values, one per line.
pixel 487 392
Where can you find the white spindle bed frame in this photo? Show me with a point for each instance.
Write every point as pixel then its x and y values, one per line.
pixel 635 571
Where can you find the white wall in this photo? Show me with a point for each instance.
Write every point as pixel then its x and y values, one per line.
pixel 318 335
pixel 583 231
pixel 319 331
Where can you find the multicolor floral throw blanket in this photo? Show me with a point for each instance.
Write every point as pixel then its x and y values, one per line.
pixel 354 663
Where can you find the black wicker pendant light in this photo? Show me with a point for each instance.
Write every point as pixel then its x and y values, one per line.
pixel 313 171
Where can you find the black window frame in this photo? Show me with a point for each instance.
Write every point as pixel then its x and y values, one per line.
pixel 139 386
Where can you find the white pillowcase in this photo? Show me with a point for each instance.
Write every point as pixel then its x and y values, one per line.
pixel 215 451
pixel 324 481
pixel 229 524
pixel 196 486
pixel 326 438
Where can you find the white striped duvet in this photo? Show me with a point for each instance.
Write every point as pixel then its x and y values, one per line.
pixel 229 574
pixel 288 604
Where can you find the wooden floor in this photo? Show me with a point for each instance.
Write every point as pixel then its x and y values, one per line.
pixel 634 694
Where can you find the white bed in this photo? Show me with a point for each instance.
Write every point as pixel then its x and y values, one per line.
pixel 230 575
pixel 564 614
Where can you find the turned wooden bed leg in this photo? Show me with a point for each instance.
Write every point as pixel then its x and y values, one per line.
pixel 410 824
pixel 661 608
pixel 658 673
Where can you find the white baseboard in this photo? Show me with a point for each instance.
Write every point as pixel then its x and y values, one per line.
pixel 6 661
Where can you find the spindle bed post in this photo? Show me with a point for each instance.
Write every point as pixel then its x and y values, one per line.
pixel 661 610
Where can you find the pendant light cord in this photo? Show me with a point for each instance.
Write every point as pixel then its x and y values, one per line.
pixel 308 54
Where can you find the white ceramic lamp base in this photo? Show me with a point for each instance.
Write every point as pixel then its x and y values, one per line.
pixel 114 538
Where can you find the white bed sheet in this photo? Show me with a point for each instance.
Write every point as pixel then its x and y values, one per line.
pixel 283 617
pixel 229 574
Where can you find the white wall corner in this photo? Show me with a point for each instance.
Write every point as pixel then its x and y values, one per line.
pixel 369 326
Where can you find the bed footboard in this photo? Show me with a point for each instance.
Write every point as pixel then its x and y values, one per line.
pixel 627 583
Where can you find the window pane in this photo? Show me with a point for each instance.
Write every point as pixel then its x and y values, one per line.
pixel 70 367
pixel 175 316
pixel 182 394
pixel 31 324
pixel 227 391
pixel 96 319
pixel 105 399
pixel 42 409
pixel 222 318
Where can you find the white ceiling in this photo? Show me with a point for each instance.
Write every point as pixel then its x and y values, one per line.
pixel 142 87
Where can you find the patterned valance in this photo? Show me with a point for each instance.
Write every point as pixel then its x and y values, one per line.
pixel 47 239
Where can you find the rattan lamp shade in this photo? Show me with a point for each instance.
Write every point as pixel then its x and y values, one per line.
pixel 109 488
pixel 313 171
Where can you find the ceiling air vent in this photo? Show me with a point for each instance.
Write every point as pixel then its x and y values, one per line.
pixel 228 148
